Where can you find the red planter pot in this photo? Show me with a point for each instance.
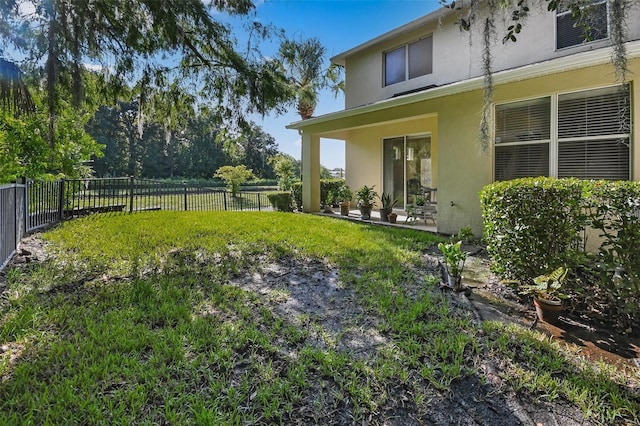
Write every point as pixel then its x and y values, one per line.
pixel 548 310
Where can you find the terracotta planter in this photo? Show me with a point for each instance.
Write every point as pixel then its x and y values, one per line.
pixel 344 208
pixel 393 217
pixel 548 310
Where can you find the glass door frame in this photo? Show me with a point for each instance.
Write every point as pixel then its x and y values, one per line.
pixel 404 155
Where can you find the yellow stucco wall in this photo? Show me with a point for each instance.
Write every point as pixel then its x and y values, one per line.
pixel 461 169
pixel 364 154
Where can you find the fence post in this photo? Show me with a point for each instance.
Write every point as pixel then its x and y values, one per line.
pixel 25 203
pixel 131 194
pixel 224 197
pixel 184 185
pixel 259 204
pixel 61 200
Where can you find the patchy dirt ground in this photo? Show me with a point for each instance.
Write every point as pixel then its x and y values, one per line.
pixel 311 294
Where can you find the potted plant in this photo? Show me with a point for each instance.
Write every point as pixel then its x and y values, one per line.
pixel 546 293
pixel 365 196
pixel 343 196
pixel 454 259
pixel 393 217
pixel 328 202
pixel 387 206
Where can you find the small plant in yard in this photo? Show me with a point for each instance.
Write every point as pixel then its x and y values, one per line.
pixel 547 286
pixel 454 260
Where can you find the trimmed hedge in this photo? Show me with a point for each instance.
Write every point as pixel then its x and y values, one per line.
pixel 326 185
pixel 535 225
pixel 281 201
pixel 532 225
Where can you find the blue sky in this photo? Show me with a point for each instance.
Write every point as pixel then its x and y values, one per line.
pixel 339 25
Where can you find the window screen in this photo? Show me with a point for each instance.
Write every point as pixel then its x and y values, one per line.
pixel 394 66
pixel 572 32
pixel 420 54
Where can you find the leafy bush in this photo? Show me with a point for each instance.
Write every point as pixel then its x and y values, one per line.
pixel 296 192
pixel 281 201
pixel 326 185
pixel 535 225
pixel 532 225
pixel 615 213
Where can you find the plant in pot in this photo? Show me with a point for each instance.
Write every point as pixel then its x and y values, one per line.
pixel 343 196
pixel 365 197
pixel 546 293
pixel 393 217
pixel 386 206
pixel 328 202
pixel 454 259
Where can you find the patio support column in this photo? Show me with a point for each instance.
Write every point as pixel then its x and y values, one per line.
pixel 635 133
pixel 310 173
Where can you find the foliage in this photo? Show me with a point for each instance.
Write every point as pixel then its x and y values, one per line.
pixel 234 176
pixel 539 224
pixel 281 201
pixel 302 62
pixel 25 152
pixel 328 189
pixel 454 257
pixel 547 286
pixel 14 93
pixel 284 166
pixel 296 193
pixel 365 195
pixel 615 213
pixel 386 202
pixel 344 193
pixel 532 225
pixel 131 39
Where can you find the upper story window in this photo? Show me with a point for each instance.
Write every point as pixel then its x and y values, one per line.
pixel 408 61
pixel 571 32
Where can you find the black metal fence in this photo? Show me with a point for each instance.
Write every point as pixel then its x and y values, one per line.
pixel 30 205
pixel 12 215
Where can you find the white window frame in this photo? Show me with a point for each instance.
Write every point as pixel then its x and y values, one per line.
pixel 406 61
pixel 555 140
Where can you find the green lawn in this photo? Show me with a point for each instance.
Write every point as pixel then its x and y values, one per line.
pixel 143 319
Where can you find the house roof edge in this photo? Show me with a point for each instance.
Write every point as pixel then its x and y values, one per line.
pixel 566 63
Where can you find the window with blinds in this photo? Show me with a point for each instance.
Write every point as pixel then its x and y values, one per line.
pixel 522 134
pixel 593 129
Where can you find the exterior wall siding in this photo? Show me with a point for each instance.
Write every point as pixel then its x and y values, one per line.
pixel 457 55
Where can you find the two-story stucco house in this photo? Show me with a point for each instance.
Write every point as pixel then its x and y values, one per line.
pixel 414 100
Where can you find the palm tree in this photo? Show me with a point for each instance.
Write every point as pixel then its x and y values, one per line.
pixel 303 64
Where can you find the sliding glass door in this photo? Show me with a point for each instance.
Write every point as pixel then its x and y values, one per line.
pixel 407 167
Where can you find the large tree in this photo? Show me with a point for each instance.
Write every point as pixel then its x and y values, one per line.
pixel 159 44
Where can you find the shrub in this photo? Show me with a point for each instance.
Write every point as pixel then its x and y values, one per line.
pixel 296 192
pixel 535 225
pixel 326 185
pixel 281 201
pixel 532 225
